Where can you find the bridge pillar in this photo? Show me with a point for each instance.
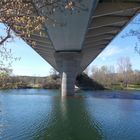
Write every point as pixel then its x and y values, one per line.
pixel 69 64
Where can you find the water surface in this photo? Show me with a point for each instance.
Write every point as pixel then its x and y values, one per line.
pixel 37 114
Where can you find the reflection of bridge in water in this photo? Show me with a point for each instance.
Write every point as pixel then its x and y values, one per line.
pixel 74 43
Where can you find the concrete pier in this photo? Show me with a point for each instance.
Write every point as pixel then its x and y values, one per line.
pixel 69 66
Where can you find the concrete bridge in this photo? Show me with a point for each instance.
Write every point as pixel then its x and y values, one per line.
pixel 75 39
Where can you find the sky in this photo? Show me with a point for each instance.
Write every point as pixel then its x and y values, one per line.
pixel 32 64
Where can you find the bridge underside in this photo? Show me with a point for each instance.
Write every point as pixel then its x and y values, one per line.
pixel 70 48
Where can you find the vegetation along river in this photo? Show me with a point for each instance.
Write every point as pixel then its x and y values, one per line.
pixel 38 114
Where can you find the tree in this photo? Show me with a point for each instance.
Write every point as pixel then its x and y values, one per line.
pixel 124 65
pixel 4 76
pixel 136 77
pixel 103 75
pixel 6 58
pixel 124 69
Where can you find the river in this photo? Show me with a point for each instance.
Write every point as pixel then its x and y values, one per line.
pixel 37 114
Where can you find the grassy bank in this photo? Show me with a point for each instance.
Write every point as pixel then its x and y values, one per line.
pixel 122 87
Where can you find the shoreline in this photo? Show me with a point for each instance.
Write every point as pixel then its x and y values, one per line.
pixel 106 89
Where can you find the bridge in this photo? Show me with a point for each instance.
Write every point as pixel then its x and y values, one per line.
pixel 75 38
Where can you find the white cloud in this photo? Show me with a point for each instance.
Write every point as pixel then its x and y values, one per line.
pixel 110 51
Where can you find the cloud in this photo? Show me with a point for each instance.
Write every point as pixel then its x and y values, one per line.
pixel 110 51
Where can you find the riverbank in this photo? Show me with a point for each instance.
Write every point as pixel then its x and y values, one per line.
pixel 122 87
pixel 83 82
pixel 25 82
pixel 52 86
pixel 49 82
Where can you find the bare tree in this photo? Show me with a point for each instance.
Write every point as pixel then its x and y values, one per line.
pixel 124 69
pixel 102 75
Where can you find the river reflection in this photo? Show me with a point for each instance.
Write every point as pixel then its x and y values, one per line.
pixel 44 115
pixel 70 121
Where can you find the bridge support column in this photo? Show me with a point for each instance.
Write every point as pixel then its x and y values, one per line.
pixel 68 76
pixel 69 64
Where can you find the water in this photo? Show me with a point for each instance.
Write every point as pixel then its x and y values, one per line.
pixel 33 114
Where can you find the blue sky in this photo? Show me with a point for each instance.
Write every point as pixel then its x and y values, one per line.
pixel 33 65
pixel 30 62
